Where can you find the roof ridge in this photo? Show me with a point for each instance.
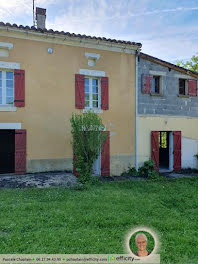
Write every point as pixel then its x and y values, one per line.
pixel 169 63
pixel 69 34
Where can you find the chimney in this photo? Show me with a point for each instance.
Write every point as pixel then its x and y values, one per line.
pixel 40 17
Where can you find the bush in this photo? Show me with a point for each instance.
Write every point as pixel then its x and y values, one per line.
pixel 87 139
pixel 196 156
pixel 147 171
pixel 131 171
pixel 154 175
pixel 147 168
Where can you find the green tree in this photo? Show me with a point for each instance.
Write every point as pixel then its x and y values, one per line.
pixel 87 140
pixel 191 65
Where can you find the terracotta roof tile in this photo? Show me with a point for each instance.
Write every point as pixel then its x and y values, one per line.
pixel 32 28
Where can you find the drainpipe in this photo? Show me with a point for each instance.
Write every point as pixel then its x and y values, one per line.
pixel 136 110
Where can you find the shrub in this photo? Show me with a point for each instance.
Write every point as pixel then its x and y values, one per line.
pixel 196 155
pixel 147 171
pixel 131 171
pixel 154 175
pixel 87 139
pixel 147 168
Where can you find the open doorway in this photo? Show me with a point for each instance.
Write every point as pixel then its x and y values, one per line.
pixel 7 151
pixel 97 166
pixel 164 150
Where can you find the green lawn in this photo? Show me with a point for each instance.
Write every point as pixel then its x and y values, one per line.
pixel 95 221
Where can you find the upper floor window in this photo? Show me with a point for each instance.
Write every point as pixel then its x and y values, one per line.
pixel 187 87
pixel 156 85
pixel 182 86
pixel 92 92
pixel 6 88
pixel 151 84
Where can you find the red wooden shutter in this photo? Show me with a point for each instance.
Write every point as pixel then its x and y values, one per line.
pixel 155 148
pixel 104 93
pixel 79 91
pixel 192 87
pixel 147 83
pixel 105 156
pixel 177 150
pixel 19 88
pixel 20 151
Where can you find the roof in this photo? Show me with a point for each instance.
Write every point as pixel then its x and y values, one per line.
pixel 51 31
pixel 169 65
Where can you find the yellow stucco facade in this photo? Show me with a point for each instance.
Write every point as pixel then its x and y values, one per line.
pixel 189 132
pixel 50 100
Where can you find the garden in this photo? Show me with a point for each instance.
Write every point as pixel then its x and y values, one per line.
pixel 95 220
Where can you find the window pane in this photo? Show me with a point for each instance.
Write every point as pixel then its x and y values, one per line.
pixel 87 97
pixel 0 78
pixel 95 89
pixel 95 104
pixel 9 83
pixel 9 75
pixel 86 81
pixel 182 86
pixel 87 103
pixel 153 85
pixel 95 97
pixel 0 96
pixel 9 100
pixel 95 82
pixel 86 89
pixel 9 92
pixel 157 83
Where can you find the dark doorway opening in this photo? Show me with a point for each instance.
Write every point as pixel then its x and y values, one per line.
pixel 7 150
pixel 164 149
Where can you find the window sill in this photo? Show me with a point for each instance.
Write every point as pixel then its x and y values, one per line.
pixel 95 110
pixel 183 96
pixel 157 95
pixel 8 109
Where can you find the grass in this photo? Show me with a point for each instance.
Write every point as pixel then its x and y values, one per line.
pixel 96 220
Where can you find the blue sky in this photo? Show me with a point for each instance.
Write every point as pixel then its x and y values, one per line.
pixel 167 29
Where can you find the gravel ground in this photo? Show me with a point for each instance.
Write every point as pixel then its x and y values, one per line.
pixel 40 180
pixel 67 179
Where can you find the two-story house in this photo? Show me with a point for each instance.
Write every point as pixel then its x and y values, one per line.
pixel 167 114
pixel 47 75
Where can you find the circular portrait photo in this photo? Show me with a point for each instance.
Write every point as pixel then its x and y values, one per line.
pixel 142 244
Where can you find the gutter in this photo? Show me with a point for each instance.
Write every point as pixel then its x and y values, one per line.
pixel 136 110
pixel 68 37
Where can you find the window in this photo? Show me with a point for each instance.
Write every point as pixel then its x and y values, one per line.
pixel 152 84
pixel 156 85
pixel 92 92
pixel 182 86
pixel 6 88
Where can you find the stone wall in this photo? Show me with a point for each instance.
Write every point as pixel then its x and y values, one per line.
pixel 168 103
